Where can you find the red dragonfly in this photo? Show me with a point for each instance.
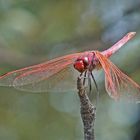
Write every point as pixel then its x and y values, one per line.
pixel 54 74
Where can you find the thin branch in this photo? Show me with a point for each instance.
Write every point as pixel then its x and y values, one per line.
pixel 88 111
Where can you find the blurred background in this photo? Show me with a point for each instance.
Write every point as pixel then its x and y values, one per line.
pixel 34 31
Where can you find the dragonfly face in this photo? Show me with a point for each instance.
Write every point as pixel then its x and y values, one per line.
pixel 81 64
pixel 85 62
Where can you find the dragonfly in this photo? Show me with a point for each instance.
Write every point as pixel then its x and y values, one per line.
pixel 58 74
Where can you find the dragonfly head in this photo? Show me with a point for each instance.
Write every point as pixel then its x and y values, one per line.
pixel 81 64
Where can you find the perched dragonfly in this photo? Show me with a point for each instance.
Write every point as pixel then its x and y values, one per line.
pixel 57 73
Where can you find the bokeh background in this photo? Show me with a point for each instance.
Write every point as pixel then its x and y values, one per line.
pixel 33 31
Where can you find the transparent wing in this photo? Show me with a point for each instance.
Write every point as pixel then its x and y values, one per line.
pixel 118 85
pixel 61 81
pixel 41 77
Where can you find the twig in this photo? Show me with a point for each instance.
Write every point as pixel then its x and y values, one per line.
pixel 88 111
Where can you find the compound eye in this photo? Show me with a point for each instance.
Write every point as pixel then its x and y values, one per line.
pixel 79 65
pixel 86 61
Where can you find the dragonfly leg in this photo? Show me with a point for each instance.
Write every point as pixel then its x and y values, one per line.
pixel 89 82
pixel 85 77
pixel 96 86
pixel 81 81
